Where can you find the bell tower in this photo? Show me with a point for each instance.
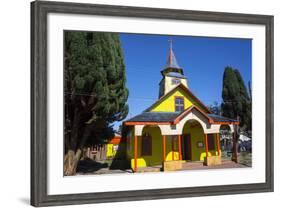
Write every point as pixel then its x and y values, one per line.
pixel 172 74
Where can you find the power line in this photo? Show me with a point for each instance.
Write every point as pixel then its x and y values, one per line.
pixel 142 98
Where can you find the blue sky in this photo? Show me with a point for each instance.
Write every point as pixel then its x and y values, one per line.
pixel 203 60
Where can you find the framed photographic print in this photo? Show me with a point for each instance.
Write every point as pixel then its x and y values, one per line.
pixel 132 103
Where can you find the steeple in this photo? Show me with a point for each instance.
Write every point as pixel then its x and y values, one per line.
pixel 172 64
pixel 172 61
pixel 172 74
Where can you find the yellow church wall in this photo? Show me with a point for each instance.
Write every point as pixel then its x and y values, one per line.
pixel 156 157
pixel 169 152
pixel 197 135
pixel 168 104
pixel 110 150
pixel 116 151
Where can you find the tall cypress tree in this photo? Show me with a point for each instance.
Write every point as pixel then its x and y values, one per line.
pixel 236 101
pixel 95 91
pixel 229 93
pixel 245 112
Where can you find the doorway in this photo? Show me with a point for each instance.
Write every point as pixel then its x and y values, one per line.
pixel 186 147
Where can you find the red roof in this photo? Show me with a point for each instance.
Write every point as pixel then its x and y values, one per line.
pixel 116 140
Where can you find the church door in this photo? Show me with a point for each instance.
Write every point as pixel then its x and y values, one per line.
pixel 186 147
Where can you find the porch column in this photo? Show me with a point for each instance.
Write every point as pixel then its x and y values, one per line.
pixel 234 148
pixel 135 153
pixel 164 147
pixel 206 145
pixel 179 146
pixel 172 140
pixel 218 143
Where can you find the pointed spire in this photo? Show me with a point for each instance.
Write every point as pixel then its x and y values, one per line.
pixel 172 61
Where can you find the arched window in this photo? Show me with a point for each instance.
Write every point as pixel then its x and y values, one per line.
pixel 146 145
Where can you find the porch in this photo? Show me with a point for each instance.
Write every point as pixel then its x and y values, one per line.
pixel 194 165
pixel 165 139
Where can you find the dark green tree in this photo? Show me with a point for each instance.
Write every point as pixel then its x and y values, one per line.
pixel 245 114
pixel 95 93
pixel 250 89
pixel 215 108
pixel 236 102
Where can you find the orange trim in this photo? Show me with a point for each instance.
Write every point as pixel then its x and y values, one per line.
pixel 177 120
pixel 129 123
pixel 115 140
pixel 164 147
pixel 172 140
pixel 187 91
pixel 179 146
pixel 218 144
pixel 235 122
pixel 184 113
pixel 206 145
pixel 199 101
pixel 135 153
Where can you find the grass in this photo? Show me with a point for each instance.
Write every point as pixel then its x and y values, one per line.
pixel 244 158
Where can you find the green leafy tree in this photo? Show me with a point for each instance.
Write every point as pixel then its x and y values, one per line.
pixel 236 102
pixel 95 93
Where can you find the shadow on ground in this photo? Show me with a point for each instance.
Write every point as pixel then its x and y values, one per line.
pixel 89 166
pixel 119 161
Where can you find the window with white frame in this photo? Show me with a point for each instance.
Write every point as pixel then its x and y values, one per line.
pixel 179 104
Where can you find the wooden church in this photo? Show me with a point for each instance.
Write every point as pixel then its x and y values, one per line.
pixel 177 128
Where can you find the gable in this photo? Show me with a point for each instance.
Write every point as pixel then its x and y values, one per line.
pixel 167 102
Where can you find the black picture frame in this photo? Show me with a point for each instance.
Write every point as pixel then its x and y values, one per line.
pixel 39 98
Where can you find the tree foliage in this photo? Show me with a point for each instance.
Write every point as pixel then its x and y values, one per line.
pixel 236 101
pixel 215 108
pixel 95 92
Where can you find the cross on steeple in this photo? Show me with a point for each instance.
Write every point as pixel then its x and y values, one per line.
pixel 171 43
pixel 172 61
pixel 171 50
